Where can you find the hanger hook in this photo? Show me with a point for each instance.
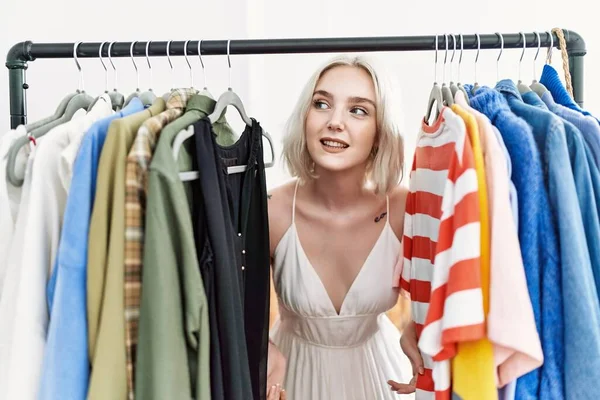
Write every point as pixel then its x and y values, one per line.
pixel 477 54
pixel 461 54
pixel 436 59
pixel 499 55
pixel 103 66
pixel 445 57
pixel 229 62
pixel 81 87
pixel 137 73
pixel 170 64
pixel 148 61
pixel 522 53
pixel 452 58
pixel 202 62
pixel 112 63
pixel 549 55
pixel 539 42
pixel 187 60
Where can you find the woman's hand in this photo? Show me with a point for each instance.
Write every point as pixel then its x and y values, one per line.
pixel 275 374
pixel 409 345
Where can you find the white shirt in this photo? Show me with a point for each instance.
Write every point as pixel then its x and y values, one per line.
pixel 35 251
pixel 9 199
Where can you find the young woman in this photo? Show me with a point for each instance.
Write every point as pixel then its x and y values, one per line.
pixel 335 239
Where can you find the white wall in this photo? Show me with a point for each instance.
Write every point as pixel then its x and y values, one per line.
pixel 270 84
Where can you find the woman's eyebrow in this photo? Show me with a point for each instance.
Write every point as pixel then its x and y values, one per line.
pixel 357 99
pixel 323 93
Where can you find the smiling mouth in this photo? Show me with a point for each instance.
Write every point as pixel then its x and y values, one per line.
pixel 334 144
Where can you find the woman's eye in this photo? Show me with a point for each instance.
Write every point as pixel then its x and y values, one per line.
pixel 320 104
pixel 359 111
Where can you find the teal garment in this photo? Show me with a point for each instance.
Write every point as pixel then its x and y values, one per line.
pixel 173 360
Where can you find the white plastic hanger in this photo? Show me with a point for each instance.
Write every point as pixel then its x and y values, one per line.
pixel 453 86
pixel 446 92
pixel 523 88
pixel 435 96
pixel 77 102
pixel 147 98
pixel 117 98
pixel 535 85
pixel 459 84
pixel 476 84
pixel 204 91
pixel 228 98
pixel 168 94
pixel 499 55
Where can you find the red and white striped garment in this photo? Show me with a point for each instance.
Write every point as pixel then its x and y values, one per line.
pixel 442 250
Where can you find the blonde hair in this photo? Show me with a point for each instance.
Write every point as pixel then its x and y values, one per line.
pixel 384 170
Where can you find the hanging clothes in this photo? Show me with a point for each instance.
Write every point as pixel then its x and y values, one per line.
pixel 578 287
pixel 222 234
pixel 587 184
pixel 106 259
pixel 473 372
pixel 136 178
pixel 42 234
pixel 66 367
pixel 175 338
pixel 516 351
pixel 442 210
pixel 538 242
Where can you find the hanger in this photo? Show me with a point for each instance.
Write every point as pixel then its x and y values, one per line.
pixel 499 55
pixel 435 96
pixel 187 60
pixel 229 98
pixel 185 134
pixel 105 82
pixel 453 86
pixel 168 94
pixel 523 88
pixel 476 85
pixel 116 97
pixel 226 99
pixel 77 102
pixel 446 92
pixel 460 86
pixel 145 98
pixel 204 91
pixel 535 85
pixel 148 96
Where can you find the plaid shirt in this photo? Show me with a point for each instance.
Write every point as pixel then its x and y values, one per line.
pixel 136 187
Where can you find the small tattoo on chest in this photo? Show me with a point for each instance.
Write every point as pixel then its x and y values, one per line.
pixel 377 219
pixel 269 196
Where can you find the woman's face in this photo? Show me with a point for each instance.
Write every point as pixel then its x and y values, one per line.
pixel 341 124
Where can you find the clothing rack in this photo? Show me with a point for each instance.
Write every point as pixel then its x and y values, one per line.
pixel 23 52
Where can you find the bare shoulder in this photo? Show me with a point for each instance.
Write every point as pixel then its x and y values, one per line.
pixel 279 201
pixel 397 207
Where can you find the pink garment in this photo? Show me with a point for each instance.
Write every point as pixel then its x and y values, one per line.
pixel 510 322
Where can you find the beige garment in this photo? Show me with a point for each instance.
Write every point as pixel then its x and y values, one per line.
pixel 105 280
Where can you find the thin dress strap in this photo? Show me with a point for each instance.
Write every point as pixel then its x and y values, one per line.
pixel 387 206
pixel 294 203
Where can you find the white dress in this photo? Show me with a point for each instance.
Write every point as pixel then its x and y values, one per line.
pixel 345 356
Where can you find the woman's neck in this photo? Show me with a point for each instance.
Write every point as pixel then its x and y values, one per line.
pixel 338 190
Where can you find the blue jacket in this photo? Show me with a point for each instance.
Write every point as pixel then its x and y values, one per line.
pixel 65 372
pixel 587 183
pixel 580 301
pixel 588 126
pixel 552 81
pixel 539 246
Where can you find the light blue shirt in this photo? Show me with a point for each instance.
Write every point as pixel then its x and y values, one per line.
pixel 65 372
